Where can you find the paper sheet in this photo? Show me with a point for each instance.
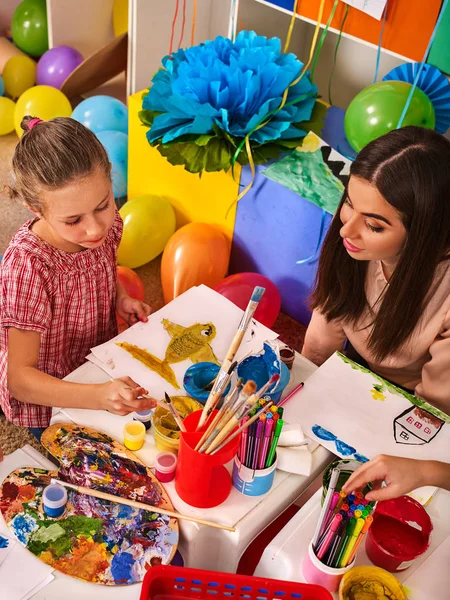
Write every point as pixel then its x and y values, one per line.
pixel 197 305
pixel 6 545
pixel 374 8
pixel 356 414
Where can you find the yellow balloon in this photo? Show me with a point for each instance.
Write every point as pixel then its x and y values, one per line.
pixel 7 107
pixel 148 224
pixel 41 101
pixel 120 17
pixel 19 74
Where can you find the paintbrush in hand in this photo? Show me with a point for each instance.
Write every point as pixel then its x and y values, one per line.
pixel 176 416
pixel 234 347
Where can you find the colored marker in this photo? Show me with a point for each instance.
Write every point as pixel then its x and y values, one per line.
pixel 359 495
pixel 349 532
pixel 273 447
pixel 243 445
pixel 361 507
pixel 331 511
pixel 353 507
pixel 358 514
pixel 350 514
pixel 294 391
pixel 331 487
pixel 351 498
pixel 329 537
pixel 335 543
pixel 265 444
pixel 367 523
pixel 351 542
pixel 274 409
pixel 258 438
pixel 280 412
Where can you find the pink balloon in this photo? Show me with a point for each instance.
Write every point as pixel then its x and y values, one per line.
pixel 239 288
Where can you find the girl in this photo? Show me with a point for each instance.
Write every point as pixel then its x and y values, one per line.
pixel 58 286
pixel 384 273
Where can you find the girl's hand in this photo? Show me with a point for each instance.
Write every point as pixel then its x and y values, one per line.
pixel 132 310
pixel 401 475
pixel 123 396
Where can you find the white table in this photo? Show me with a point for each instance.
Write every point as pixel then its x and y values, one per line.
pixel 201 547
pixel 282 559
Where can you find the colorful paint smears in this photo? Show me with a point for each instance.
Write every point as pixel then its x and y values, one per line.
pixel 342 448
pixel 187 343
pixel 95 540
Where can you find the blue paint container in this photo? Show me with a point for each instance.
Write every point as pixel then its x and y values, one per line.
pixel 252 482
pixel 261 367
pixel 198 377
pixel 144 417
pixel 54 500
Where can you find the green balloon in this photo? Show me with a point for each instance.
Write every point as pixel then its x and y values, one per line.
pixel 29 27
pixel 377 110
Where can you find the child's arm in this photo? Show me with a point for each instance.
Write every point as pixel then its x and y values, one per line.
pixel 130 309
pixel 27 384
pixel 323 338
pixel 402 475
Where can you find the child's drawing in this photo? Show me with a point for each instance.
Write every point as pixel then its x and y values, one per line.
pixel 187 343
pixel 337 407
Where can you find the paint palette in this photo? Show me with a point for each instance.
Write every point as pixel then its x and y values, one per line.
pixel 94 540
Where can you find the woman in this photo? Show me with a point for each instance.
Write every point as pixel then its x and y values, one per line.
pixel 384 273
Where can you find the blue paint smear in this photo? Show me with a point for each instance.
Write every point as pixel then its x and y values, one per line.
pixel 3 542
pixel 121 566
pixel 344 448
pixel 324 434
pixel 125 512
pixel 361 458
pixel 22 526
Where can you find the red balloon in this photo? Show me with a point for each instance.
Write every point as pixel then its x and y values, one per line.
pixel 132 283
pixel 239 288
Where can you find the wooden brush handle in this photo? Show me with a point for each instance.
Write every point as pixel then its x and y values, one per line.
pixel 232 423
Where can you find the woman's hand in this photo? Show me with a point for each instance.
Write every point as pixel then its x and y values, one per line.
pixel 123 396
pixel 132 310
pixel 401 475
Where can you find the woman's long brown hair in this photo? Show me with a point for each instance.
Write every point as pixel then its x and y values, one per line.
pixel 410 167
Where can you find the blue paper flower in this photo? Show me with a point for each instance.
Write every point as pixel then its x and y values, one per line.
pixel 208 98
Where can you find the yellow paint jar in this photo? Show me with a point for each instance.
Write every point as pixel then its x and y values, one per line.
pixel 134 435
pixel 367 583
pixel 164 442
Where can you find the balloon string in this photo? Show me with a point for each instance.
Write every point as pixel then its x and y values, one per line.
pixel 419 71
pixel 183 23
pixel 267 118
pixel 338 42
pixel 319 241
pixel 380 41
pixel 291 26
pixel 177 7
pixel 322 39
pixel 194 21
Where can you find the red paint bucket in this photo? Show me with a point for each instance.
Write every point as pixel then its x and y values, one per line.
pixel 201 479
pixel 400 533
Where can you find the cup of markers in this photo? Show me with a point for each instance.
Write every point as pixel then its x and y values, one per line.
pixel 343 524
pixel 255 464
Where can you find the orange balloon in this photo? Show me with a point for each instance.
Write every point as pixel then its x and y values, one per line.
pixel 196 254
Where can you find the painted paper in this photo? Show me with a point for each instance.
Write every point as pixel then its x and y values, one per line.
pixel 314 171
pixel 197 326
pixel 6 545
pixel 357 414
pixel 374 8
pixel 94 540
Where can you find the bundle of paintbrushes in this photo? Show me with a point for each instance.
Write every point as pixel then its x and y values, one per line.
pixel 259 440
pixel 343 523
pixel 234 417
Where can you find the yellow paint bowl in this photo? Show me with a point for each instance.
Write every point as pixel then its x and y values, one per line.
pixel 164 427
pixel 134 435
pixel 370 583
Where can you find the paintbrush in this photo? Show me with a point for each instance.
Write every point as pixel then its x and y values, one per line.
pixel 139 505
pixel 229 401
pixel 220 388
pixel 234 347
pixel 241 412
pixel 173 410
pixel 263 410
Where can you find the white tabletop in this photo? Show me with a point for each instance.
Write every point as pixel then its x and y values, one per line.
pixel 427 579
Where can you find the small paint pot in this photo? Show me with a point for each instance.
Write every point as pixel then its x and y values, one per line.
pixel 252 482
pixel 359 579
pixel 199 378
pixel 134 435
pixel 165 466
pixel 260 368
pixel 54 500
pixel 145 417
pixel 164 443
pixel 399 535
pixel 287 355
pixel 314 571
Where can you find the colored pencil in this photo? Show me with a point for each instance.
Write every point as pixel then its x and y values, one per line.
pixel 326 504
pixel 234 347
pixel 289 396
pixel 134 504
pixel 176 416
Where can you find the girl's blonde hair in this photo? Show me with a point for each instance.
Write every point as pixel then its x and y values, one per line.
pixel 52 154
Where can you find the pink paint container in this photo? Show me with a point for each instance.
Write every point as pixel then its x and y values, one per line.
pixel 399 535
pixel 314 571
pixel 165 466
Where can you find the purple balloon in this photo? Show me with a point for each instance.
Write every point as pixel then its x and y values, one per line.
pixel 55 66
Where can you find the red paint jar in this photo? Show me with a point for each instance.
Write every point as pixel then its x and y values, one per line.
pixel 400 533
pixel 165 466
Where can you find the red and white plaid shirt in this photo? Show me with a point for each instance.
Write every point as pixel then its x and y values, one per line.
pixel 68 298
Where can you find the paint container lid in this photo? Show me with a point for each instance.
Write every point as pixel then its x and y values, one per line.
pixel 54 496
pixel 134 431
pixel 165 462
pixel 143 416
